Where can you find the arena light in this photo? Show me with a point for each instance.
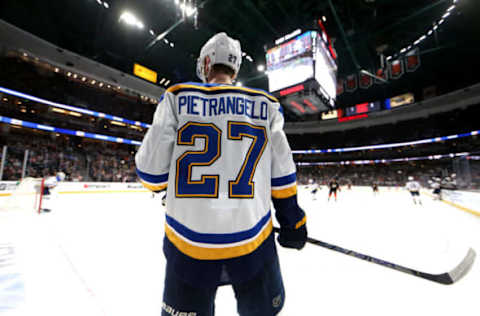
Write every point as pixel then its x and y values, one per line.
pixel 261 68
pixel 172 45
pixel 441 21
pixel 162 81
pixel 118 123
pixel 74 114
pixel 451 8
pixel 130 19
pixel 167 83
pixel 189 11
pixel 239 84
pixel 106 5
pixel 59 111
pixel 446 15
pixel 152 33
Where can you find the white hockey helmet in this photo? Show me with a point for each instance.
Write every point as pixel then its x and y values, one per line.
pixel 220 49
pixel 60 176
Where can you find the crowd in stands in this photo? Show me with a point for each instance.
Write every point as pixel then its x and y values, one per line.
pixel 90 160
pixel 79 159
pixel 394 174
pixel 34 78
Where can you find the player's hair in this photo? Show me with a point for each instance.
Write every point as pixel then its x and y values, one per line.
pixel 222 69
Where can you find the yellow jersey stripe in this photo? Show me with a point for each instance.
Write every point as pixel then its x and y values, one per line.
pixel 301 223
pixel 154 187
pixel 202 253
pixel 284 193
pixel 220 88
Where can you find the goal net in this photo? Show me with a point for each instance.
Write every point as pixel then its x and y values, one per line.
pixel 27 197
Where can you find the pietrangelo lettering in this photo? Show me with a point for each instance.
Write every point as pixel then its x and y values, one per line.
pixel 214 106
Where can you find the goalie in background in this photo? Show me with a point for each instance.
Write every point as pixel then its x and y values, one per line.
pixel 49 194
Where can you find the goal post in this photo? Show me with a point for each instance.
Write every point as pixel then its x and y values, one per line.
pixel 27 197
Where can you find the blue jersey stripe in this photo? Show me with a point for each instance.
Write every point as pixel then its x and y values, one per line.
pixel 277 182
pixel 217 238
pixel 151 178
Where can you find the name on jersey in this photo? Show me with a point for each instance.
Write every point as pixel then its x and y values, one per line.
pixel 196 105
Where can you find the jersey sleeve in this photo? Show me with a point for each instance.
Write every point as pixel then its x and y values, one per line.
pixel 153 157
pixel 284 178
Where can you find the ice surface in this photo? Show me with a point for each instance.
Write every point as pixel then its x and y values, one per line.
pixel 101 254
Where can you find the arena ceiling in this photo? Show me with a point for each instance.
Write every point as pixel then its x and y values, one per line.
pixel 360 30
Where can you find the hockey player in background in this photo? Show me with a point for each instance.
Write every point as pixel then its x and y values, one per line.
pixel 334 186
pixel 49 193
pixel 435 184
pixel 223 155
pixel 314 189
pixel 414 188
pixel 375 188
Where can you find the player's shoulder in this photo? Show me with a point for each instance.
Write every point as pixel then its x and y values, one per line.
pixel 213 89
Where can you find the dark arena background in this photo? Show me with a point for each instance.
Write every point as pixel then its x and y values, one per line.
pixel 374 93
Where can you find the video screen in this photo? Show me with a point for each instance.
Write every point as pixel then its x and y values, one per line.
pixel 303 57
pixel 290 73
pixel 295 47
pixel 326 71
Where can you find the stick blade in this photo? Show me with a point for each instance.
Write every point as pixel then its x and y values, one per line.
pixel 462 269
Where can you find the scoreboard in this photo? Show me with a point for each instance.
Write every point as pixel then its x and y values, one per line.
pixel 302 73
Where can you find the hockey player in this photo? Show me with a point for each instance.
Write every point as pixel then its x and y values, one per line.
pixel 375 188
pixel 414 188
pixel 437 190
pixel 314 189
pixel 49 194
pixel 334 186
pixel 164 200
pixel 223 155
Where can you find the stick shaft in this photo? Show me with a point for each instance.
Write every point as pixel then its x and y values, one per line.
pixel 440 278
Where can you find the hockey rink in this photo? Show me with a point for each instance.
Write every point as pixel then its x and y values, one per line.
pixel 101 254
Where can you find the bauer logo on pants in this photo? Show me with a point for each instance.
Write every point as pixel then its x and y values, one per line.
pixel 277 301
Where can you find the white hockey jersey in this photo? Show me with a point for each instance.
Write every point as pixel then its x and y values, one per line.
pixel 51 182
pixel 413 186
pixel 223 155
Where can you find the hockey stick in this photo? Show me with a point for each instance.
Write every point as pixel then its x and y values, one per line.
pixel 444 278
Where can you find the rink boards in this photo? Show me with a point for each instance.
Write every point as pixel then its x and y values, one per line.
pixel 464 200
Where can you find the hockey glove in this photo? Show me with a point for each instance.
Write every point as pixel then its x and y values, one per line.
pixel 293 238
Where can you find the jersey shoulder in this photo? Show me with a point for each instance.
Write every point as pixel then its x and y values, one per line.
pixel 213 89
